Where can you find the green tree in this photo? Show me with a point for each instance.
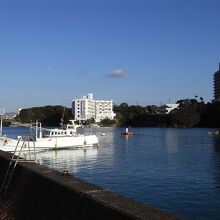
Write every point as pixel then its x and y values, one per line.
pixel 187 116
pixel 48 115
pixel 89 121
pixel 108 122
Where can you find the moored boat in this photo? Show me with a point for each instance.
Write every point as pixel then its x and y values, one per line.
pixel 49 139
pixel 127 133
pixel 213 132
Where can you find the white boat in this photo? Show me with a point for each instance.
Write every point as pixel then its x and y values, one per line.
pixel 49 139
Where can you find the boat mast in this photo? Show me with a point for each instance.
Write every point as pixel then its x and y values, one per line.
pixel 62 119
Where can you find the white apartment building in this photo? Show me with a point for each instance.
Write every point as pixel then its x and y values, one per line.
pixel 86 108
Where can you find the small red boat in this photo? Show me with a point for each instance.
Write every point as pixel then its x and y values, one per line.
pixel 213 132
pixel 126 132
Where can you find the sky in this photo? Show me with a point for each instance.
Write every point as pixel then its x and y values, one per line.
pixel 136 51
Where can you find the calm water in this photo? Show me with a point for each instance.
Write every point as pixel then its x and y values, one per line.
pixel 177 170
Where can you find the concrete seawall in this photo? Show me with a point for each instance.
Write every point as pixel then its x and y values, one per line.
pixel 40 193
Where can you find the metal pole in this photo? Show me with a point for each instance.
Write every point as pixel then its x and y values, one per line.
pixel 1 127
pixel 2 112
pixel 40 131
pixel 36 129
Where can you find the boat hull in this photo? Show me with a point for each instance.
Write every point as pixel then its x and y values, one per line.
pixel 9 144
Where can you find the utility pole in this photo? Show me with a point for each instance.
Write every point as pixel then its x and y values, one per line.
pixel 2 112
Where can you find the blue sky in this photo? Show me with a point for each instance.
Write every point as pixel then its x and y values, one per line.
pixel 135 51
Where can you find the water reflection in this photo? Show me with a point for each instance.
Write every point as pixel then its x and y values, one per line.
pixel 70 160
pixel 76 161
pixel 171 138
pixel 216 159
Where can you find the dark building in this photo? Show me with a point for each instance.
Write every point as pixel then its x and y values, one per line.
pixel 217 85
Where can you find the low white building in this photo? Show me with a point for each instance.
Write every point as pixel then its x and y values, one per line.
pixel 9 115
pixel 87 108
pixel 167 108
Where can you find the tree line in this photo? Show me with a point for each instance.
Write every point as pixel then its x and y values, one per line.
pixel 47 115
pixel 190 113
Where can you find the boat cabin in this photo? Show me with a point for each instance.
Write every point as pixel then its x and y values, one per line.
pixel 65 131
pixel 58 132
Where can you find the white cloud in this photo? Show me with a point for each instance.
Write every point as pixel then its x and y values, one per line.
pixel 118 73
